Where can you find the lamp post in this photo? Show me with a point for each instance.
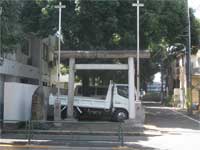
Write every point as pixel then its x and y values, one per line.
pixel 1 78
pixel 138 5
pixel 1 54
pixel 188 62
pixel 57 105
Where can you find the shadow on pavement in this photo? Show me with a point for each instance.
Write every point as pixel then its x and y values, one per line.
pixel 166 119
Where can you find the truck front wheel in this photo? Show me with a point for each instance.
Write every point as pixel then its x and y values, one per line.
pixel 120 115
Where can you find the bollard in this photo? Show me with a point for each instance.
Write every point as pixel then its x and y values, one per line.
pixel 121 135
pixel 29 132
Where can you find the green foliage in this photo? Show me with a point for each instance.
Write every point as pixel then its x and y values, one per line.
pixel 195 32
pixel 94 25
pixel 10 27
pixel 103 25
pixel 169 100
pixel 63 69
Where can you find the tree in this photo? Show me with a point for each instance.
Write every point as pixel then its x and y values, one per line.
pixel 104 25
pixel 195 32
pixel 10 27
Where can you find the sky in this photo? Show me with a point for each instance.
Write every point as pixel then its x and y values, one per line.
pixel 195 4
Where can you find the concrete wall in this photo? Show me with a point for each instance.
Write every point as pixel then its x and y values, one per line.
pixel 17 106
pixel 14 68
pixel 196 89
pixel 35 48
pixel 37 58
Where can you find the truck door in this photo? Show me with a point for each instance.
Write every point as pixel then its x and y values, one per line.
pixel 120 96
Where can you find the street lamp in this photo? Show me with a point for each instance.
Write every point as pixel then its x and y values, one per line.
pixel 1 54
pixel 138 5
pixel 57 110
pixel 188 62
pixel 1 61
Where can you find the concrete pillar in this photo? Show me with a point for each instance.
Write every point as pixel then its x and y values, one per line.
pixel 181 84
pixel 71 88
pixel 131 84
pixel 57 104
pixel 40 63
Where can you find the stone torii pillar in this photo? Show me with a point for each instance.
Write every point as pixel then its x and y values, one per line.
pixel 131 89
pixel 70 104
pixel 101 54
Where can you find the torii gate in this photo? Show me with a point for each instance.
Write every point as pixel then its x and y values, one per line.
pixel 101 54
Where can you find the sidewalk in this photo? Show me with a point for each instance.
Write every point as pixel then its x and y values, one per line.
pixel 160 121
pixel 167 119
pixel 195 115
pixel 78 133
pixel 154 117
pixel 88 128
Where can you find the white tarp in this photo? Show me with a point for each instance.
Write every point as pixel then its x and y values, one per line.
pixel 18 100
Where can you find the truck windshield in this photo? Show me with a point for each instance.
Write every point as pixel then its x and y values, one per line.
pixel 122 91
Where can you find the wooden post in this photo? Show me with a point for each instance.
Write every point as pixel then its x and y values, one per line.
pixel 71 88
pixel 131 85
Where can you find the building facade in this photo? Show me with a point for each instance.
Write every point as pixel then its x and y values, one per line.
pixel 30 63
pixel 180 78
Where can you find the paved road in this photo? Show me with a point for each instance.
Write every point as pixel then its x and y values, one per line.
pixel 177 132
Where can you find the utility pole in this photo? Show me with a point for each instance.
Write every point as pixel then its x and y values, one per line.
pixel 1 54
pixel 1 83
pixel 57 105
pixel 161 77
pixel 188 62
pixel 138 5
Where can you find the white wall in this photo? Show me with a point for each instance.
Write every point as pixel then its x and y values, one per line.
pixel 18 100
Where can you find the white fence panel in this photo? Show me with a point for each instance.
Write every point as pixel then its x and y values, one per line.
pixel 18 100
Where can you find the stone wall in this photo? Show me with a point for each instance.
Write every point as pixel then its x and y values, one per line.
pixel 196 89
pixel 40 101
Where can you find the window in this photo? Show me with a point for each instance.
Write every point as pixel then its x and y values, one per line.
pixel 25 47
pixel 44 83
pixel 45 52
pixel 122 91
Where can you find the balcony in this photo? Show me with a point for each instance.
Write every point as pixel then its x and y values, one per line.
pixel 14 68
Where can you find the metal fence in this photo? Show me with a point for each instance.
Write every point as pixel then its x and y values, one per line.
pixel 65 131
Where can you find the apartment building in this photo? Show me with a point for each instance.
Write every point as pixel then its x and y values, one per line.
pixel 30 63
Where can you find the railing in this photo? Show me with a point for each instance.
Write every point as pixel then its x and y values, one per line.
pixel 68 131
pixel 15 126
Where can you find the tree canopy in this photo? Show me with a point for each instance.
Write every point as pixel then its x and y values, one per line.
pixel 104 25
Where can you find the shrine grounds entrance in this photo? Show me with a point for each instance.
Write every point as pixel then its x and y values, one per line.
pixel 72 56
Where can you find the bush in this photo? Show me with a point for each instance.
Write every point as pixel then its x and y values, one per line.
pixel 169 101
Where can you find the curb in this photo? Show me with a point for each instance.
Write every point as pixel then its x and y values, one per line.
pixel 187 116
pixel 102 133
pixel 60 147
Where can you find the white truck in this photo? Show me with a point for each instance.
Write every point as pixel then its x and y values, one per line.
pixel 116 103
